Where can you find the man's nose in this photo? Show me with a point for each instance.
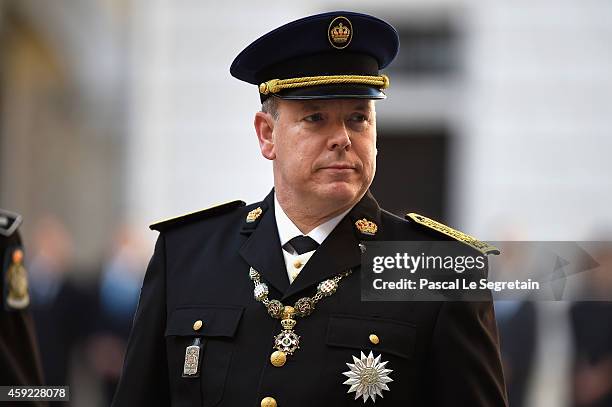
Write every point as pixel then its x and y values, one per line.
pixel 340 139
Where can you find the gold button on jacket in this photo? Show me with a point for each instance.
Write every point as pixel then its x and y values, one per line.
pixel 197 325
pixel 268 402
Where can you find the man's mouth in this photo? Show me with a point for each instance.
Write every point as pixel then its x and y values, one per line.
pixel 339 166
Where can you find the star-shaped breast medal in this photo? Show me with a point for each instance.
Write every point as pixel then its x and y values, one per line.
pixel 367 377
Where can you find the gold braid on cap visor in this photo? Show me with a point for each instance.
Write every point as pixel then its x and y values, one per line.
pixel 277 85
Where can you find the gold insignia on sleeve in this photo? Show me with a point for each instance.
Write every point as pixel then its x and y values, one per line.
pixel 340 32
pixel 17 280
pixel 366 227
pixel 471 241
pixel 254 214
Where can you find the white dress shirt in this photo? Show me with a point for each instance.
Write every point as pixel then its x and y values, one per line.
pixel 287 230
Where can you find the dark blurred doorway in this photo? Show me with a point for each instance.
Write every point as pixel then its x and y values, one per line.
pixel 411 174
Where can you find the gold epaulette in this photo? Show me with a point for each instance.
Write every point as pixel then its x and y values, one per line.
pixel 481 246
pixel 197 215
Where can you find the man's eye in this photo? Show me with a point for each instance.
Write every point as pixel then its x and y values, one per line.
pixel 314 117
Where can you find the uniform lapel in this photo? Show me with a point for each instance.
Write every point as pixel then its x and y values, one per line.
pixel 262 249
pixel 340 251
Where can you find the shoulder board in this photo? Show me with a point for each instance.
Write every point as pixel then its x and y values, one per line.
pixel 198 215
pixel 9 222
pixel 481 246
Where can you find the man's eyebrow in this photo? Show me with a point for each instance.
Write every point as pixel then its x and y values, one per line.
pixel 309 107
pixel 363 106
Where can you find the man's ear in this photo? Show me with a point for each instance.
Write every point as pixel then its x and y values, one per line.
pixel 264 127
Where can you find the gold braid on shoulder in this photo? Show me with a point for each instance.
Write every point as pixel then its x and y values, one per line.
pixel 277 85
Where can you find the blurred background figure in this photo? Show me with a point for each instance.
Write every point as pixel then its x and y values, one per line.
pixel 592 322
pixel 560 353
pixel 19 354
pixel 117 292
pixel 62 310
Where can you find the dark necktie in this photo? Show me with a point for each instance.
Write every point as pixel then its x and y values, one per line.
pixel 302 244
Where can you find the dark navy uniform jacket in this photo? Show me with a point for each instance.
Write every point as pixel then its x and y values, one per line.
pixel 441 353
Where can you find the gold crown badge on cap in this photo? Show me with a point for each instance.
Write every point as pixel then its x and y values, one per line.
pixel 340 32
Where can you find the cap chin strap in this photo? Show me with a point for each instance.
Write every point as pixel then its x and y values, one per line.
pixel 277 85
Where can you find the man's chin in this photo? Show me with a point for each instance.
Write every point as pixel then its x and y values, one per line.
pixel 342 193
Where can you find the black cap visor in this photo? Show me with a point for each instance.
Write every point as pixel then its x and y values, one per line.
pixel 329 92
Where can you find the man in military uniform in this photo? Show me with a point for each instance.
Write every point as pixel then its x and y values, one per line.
pixel 259 305
pixel 19 357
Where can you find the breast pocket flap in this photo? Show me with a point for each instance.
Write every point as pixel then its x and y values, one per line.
pixel 369 333
pixel 214 321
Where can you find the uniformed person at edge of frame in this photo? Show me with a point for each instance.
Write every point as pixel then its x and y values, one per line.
pixel 259 305
pixel 19 355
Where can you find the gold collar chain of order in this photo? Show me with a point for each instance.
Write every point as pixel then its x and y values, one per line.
pixel 287 341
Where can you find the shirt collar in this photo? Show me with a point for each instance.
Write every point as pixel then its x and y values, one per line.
pixel 287 229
